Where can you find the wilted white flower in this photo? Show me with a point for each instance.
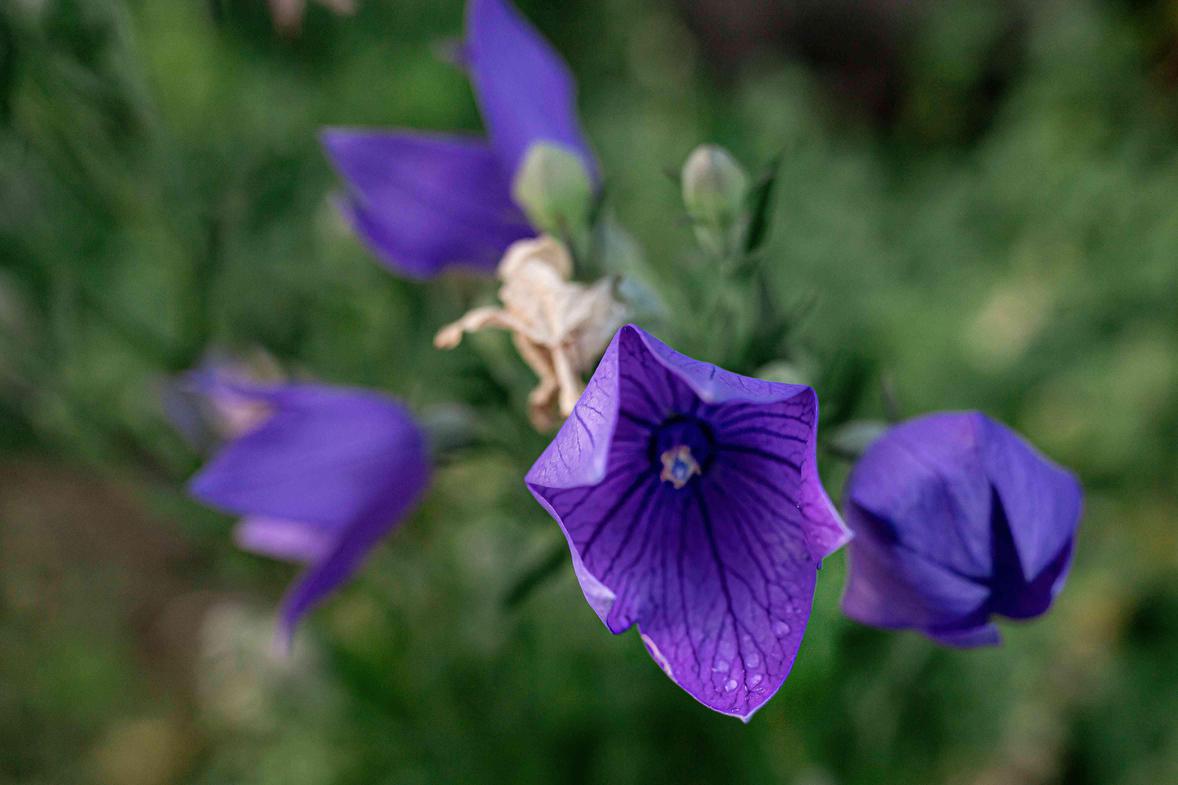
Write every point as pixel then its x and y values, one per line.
pixel 560 327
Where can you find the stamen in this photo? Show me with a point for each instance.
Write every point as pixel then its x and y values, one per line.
pixel 678 466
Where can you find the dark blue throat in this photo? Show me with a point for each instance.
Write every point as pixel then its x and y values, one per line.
pixel 681 448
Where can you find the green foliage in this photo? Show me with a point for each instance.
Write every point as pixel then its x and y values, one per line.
pixel 162 190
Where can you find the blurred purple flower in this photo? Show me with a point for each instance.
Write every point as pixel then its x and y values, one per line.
pixel 693 508
pixel 957 519
pixel 320 474
pixel 422 202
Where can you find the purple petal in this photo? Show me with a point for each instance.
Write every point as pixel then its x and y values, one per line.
pixel 422 203
pixel 897 588
pixel 318 458
pixel 1042 502
pixel 968 637
pixel 294 541
pixel 719 571
pixel 1017 597
pixel 347 464
pixel 524 89
pixel 940 507
pixel 352 544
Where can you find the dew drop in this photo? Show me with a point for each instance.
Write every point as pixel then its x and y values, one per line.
pixel 721 666
pixel 730 685
pixel 756 679
pixel 780 629
pixel 752 660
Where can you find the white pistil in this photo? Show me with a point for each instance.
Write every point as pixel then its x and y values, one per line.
pixel 679 465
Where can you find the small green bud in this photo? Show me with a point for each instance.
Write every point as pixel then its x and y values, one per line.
pixel 554 189
pixel 714 191
pixel 853 438
pixel 784 373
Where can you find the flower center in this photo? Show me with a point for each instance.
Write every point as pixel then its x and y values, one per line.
pixel 678 466
pixel 682 447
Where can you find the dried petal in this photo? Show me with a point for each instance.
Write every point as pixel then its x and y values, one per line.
pixel 558 326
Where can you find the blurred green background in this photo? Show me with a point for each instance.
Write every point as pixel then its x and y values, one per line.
pixel 977 200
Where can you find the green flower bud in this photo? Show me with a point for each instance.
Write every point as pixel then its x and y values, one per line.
pixel 853 438
pixel 554 189
pixel 714 191
pixel 714 185
pixel 784 373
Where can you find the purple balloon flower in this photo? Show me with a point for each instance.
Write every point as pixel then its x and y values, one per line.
pixel 422 202
pixel 692 506
pixel 957 519
pixel 319 475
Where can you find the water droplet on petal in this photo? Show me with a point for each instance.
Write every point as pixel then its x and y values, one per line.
pixel 756 679
pixel 721 666
pixel 780 629
pixel 752 660
pixel 730 685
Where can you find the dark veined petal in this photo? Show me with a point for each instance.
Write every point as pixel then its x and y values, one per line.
pixel 762 417
pixel 422 203
pixel 524 89
pixel 346 464
pixel 956 519
pixel 717 571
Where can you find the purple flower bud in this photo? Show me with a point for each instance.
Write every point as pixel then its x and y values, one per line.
pixel 957 520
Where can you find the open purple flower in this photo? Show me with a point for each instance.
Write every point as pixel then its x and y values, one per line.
pixel 422 202
pixel 692 506
pixel 320 474
pixel 957 519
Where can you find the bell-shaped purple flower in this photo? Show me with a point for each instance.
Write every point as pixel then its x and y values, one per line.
pixel 319 475
pixel 422 202
pixel 957 520
pixel 692 506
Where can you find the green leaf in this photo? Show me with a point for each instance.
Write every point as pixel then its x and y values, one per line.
pixel 537 575
pixel 760 206
pixel 851 439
